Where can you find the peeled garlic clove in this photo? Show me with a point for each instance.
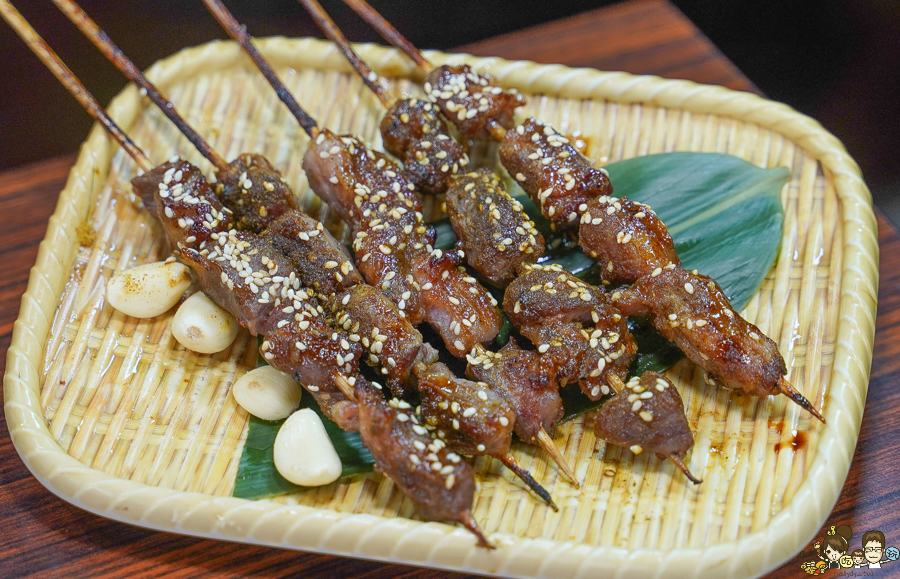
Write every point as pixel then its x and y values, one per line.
pixel 267 393
pixel 148 290
pixel 303 453
pixel 202 326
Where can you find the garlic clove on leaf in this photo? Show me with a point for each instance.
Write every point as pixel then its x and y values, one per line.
pixel 303 453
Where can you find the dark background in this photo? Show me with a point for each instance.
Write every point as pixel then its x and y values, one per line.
pixel 835 60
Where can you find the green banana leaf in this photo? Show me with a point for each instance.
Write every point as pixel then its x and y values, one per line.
pixel 725 217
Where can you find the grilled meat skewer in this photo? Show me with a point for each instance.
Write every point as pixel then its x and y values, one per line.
pixel 626 238
pixel 692 311
pixel 438 481
pixel 260 202
pixel 370 192
pixel 412 130
pixel 493 229
pixel 461 494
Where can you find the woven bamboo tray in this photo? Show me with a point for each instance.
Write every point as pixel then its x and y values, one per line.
pixel 112 415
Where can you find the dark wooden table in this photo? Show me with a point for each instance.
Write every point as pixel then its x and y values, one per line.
pixel 43 536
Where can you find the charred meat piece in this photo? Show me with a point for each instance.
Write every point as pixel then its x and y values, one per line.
pixel 470 417
pixel 559 179
pixel 320 261
pixel 574 324
pixel 492 227
pixel 456 305
pixel 248 277
pixel 388 250
pixel 527 380
pixel 393 344
pixel 178 194
pixel 415 133
pixel 252 188
pixel 472 101
pixel 440 484
pixel 305 347
pixel 692 311
pixel 626 238
pixel 591 356
pixel 358 183
pixel 647 415
pixel 548 293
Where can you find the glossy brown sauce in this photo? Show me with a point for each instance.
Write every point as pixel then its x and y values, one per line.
pixel 796 443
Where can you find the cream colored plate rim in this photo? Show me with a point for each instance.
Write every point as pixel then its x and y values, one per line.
pixel 432 544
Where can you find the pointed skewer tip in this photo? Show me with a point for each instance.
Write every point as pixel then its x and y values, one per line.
pixel 469 522
pixel 526 477
pixel 788 390
pixel 683 468
pixel 545 442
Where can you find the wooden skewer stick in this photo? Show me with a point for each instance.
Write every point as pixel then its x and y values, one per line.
pixel 545 442
pixel 468 521
pixel 683 467
pixel 344 386
pixel 388 32
pixel 112 52
pixel 331 30
pixel 788 390
pixel 616 383
pixel 240 35
pixel 509 460
pixel 71 83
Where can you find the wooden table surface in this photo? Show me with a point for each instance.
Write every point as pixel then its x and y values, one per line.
pixel 44 536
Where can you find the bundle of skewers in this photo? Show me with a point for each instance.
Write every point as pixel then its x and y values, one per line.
pixel 320 309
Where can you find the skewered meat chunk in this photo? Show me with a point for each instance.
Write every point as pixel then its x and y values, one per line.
pixel 252 188
pixel 554 310
pixel 470 417
pixel 440 484
pixel 178 194
pixel 559 179
pixel 393 344
pixel 491 226
pixel 320 261
pixel 546 293
pixel 458 307
pixel 414 132
pixel 647 415
pixel 248 277
pixel 626 238
pixel 357 182
pixel 692 311
pixel 314 354
pixel 388 252
pixel 390 236
pixel 527 380
pixel 472 101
